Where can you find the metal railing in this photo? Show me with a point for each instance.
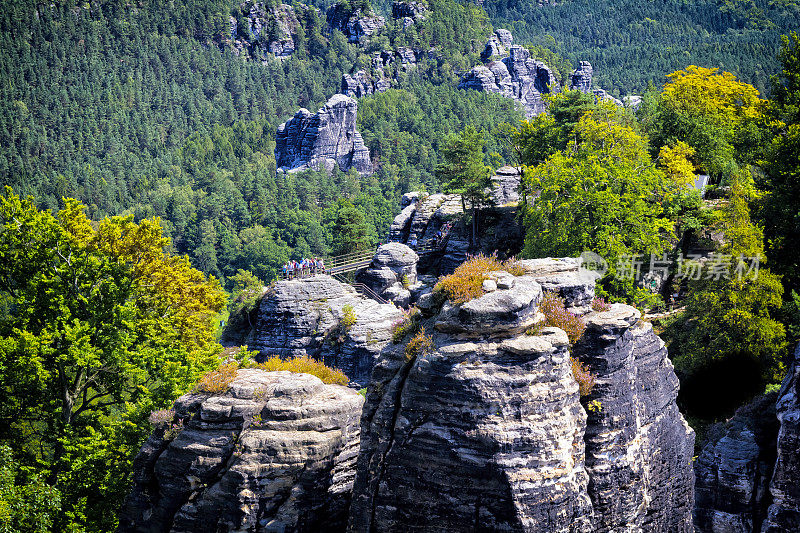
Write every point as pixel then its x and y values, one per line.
pixel 348 262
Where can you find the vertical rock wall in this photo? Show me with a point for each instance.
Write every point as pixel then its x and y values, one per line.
pixel 275 452
pixel 323 140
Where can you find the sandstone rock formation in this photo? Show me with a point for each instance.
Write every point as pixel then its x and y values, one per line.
pixel 392 271
pixel 357 25
pixel 516 76
pixel 733 471
pixel 408 12
pixel 269 30
pixel 422 218
pixel 323 140
pixel 582 78
pixel 304 317
pixel 275 452
pixel 784 513
pixel 486 431
pixel 748 474
pixel 638 446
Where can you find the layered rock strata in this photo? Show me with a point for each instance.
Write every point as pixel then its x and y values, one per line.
pixel 392 272
pixel 733 471
pixel 485 429
pixel 275 452
pixel 638 446
pixel 266 31
pixel 423 217
pixel 323 140
pixel 306 317
pixel 784 513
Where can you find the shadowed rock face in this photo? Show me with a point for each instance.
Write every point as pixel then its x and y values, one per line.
pixel 355 25
pixel 323 140
pixel 733 471
pixel 748 474
pixel 582 78
pixel 303 317
pixel 487 431
pixel 784 513
pixel 291 469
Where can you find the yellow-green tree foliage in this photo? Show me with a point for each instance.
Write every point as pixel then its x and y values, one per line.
pixel 100 327
pixel 603 193
pixel 717 115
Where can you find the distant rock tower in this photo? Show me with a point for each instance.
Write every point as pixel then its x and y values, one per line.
pixel 323 140
pixel 582 78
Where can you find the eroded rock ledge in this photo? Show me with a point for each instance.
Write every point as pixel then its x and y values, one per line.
pixel 275 452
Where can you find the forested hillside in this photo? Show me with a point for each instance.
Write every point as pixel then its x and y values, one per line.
pixel 142 110
pixel 632 43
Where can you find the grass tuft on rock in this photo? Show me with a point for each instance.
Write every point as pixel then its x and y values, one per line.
pixel 306 365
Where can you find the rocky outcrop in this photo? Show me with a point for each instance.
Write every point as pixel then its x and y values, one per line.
pixel 505 186
pixel 357 25
pixel 361 84
pixel 391 273
pixel 749 470
pixel 323 140
pixel 784 513
pixel 485 430
pixel 516 76
pixel 305 317
pixel 581 79
pixel 266 31
pixel 275 452
pixel 638 446
pixel 734 469
pixel 408 13
pixel 565 278
pixel 423 217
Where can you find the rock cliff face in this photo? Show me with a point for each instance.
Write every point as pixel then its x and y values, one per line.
pixel 408 13
pixel 422 218
pixel 323 140
pixel 266 31
pixel 392 272
pixel 734 470
pixel 638 446
pixel 582 78
pixel 304 317
pixel 356 25
pixel 516 76
pixel 486 431
pixel 784 513
pixel 748 474
pixel 275 452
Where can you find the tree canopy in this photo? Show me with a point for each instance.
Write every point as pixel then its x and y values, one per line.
pixel 100 327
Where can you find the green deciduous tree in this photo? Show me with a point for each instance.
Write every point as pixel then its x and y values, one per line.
pixel 463 172
pixel 101 327
pixel 350 229
pixel 602 193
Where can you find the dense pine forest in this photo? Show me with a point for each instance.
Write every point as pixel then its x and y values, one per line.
pixel 633 44
pixel 141 200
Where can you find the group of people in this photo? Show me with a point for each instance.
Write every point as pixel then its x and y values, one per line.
pixel 303 268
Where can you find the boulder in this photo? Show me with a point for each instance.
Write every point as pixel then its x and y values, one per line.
pixel 566 278
pixel 304 317
pixel 275 452
pixel 391 273
pixel 323 140
pixel 505 185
